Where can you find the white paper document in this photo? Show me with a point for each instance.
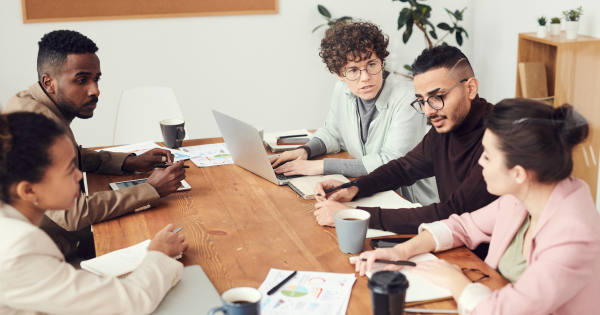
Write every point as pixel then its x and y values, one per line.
pixel 384 199
pixel 419 289
pixel 209 154
pixel 307 292
pixel 119 262
pixel 143 147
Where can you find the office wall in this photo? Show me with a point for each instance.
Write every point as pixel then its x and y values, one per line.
pixel 498 24
pixel 264 69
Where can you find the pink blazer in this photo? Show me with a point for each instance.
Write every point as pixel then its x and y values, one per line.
pixel 563 265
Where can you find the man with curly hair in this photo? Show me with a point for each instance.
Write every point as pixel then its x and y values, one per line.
pixel 370 115
pixel 68 74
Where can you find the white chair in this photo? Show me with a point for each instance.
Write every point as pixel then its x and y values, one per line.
pixel 140 111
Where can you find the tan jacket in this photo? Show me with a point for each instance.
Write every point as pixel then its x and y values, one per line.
pixel 35 279
pixel 97 207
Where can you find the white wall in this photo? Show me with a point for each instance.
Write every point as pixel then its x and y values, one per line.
pixel 263 69
pixel 498 24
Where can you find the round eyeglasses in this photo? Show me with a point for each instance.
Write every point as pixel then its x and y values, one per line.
pixel 435 101
pixel 353 73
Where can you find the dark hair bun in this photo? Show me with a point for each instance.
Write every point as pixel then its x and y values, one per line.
pixel 537 136
pixel 572 127
pixel 24 142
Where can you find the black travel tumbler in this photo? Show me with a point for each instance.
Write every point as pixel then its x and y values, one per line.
pixel 388 290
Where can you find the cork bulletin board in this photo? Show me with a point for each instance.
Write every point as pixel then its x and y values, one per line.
pixel 35 11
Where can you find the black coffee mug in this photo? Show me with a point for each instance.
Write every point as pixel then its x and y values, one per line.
pixel 388 292
pixel 173 132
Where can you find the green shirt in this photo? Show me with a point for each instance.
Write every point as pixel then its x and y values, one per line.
pixel 512 264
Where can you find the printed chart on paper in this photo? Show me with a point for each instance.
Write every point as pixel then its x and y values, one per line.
pixel 209 154
pixel 307 293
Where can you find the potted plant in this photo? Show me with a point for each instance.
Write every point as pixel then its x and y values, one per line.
pixel 555 26
pixel 572 18
pixel 542 30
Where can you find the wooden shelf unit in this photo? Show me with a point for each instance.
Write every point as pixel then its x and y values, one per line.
pixel 573 76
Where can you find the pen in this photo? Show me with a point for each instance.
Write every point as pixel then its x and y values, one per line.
pixel 166 165
pixel 275 288
pixel 293 136
pixel 346 185
pixel 429 310
pixel 399 262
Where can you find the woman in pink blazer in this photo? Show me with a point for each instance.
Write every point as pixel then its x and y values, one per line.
pixel 544 217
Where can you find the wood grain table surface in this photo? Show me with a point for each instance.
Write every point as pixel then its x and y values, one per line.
pixel 240 225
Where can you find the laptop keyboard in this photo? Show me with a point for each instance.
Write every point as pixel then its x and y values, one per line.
pixel 283 177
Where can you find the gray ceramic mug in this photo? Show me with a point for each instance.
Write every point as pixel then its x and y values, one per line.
pixel 351 226
pixel 173 132
pixel 239 301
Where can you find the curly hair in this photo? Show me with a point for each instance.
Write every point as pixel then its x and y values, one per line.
pixel 25 139
pixel 56 45
pixel 346 41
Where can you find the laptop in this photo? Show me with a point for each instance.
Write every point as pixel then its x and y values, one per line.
pixel 246 148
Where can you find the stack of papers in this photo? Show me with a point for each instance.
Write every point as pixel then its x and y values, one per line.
pixel 209 154
pixel 419 289
pixel 270 139
pixel 143 147
pixel 306 293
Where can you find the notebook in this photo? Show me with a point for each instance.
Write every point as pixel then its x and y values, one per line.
pixel 119 263
pixel 419 289
pixel 304 186
pixel 194 294
pixel 270 139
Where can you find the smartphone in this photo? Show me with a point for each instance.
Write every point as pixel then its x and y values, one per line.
pixel 131 183
pixel 387 242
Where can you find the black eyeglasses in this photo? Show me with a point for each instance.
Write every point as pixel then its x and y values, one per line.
pixel 435 101
pixel 373 68
pixel 479 275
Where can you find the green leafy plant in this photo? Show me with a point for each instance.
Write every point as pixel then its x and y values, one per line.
pixel 542 20
pixel 418 15
pixel 555 20
pixel 573 15
pixel 330 21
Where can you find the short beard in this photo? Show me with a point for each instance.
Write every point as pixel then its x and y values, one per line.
pixel 69 106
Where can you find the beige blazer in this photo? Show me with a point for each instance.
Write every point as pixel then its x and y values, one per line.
pixel 96 207
pixel 35 279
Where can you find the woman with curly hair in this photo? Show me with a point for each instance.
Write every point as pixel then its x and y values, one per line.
pixel 370 116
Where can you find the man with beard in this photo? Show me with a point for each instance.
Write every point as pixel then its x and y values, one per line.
pixel 68 73
pixel 446 92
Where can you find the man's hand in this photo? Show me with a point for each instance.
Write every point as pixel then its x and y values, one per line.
pixel 326 209
pixel 145 162
pixel 167 180
pixel 168 242
pixel 301 167
pixel 298 154
pixel 341 195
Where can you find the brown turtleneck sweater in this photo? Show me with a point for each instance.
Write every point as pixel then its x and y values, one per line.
pixel 452 158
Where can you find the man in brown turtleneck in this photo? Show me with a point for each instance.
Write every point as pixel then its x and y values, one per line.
pixel 446 91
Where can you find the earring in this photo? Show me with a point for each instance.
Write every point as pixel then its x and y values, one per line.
pixel 35 201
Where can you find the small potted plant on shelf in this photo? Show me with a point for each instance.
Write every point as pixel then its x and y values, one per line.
pixel 555 26
pixel 542 30
pixel 572 18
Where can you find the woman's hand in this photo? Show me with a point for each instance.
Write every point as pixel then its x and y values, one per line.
pixel 394 254
pixel 298 154
pixel 301 167
pixel 443 274
pixel 167 242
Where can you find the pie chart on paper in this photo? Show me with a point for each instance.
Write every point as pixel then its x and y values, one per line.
pixel 294 291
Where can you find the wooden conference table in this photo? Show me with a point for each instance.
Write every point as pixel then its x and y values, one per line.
pixel 240 225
